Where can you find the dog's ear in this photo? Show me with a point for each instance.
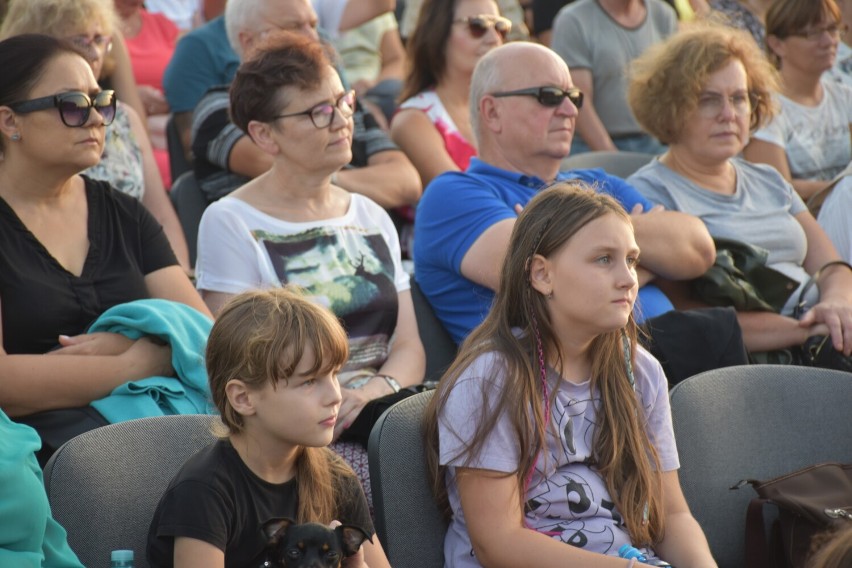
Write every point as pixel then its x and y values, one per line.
pixel 275 529
pixel 350 538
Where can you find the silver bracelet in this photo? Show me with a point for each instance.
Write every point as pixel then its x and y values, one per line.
pixel 631 563
pixel 359 382
pixel 392 382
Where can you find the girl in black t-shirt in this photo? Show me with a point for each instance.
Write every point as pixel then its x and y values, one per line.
pixel 272 359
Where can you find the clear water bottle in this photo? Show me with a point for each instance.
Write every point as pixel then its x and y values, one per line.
pixel 121 559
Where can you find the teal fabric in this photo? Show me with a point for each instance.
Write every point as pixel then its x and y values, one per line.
pixel 29 537
pixel 186 330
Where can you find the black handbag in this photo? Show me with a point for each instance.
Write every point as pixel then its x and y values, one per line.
pixel 818 351
pixel 740 278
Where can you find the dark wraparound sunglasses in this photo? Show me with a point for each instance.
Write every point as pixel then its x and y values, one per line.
pixel 74 107
pixel 547 96
pixel 478 26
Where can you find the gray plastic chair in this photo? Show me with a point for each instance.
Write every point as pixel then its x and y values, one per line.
pixel 408 522
pixel 437 341
pixel 178 164
pixel 759 422
pixel 189 203
pixel 104 485
pixel 619 164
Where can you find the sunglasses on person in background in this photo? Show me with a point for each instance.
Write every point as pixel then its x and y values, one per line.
pixel 74 107
pixel 711 105
pixel 813 34
pixel 547 96
pixel 478 26
pixel 322 115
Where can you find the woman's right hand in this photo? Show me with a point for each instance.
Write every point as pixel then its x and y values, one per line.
pixel 836 320
pixel 147 358
pixel 98 343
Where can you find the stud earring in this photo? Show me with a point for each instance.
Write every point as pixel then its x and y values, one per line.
pixel 550 295
pixel 16 136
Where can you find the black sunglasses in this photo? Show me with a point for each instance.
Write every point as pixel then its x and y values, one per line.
pixel 74 107
pixel 478 26
pixel 547 96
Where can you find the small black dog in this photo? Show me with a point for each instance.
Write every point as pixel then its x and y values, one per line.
pixel 310 545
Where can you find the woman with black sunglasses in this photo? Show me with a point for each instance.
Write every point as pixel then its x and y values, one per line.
pixel 433 124
pixel 70 247
pixel 128 163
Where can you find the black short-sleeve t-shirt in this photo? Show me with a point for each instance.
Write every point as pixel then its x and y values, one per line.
pixel 217 499
pixel 40 299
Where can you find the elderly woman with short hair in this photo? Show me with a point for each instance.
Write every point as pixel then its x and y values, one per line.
pixel 703 92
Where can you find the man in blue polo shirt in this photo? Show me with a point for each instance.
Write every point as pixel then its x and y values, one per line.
pixel 523 112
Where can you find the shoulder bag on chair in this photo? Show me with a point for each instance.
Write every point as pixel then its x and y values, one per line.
pixel 740 278
pixel 809 501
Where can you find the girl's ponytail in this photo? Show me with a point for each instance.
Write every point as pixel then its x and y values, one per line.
pixel 318 476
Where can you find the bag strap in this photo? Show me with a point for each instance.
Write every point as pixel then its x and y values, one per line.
pixel 756 545
pixel 798 311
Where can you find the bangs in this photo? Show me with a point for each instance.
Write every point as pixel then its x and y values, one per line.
pixel 319 331
pixel 790 17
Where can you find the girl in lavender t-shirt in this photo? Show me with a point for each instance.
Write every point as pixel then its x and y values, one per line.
pixel 552 431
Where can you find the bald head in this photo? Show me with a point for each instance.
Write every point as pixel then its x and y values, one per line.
pixel 507 67
pixel 248 20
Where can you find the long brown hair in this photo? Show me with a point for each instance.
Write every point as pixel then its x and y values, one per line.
pixel 624 455
pixel 426 49
pixel 259 338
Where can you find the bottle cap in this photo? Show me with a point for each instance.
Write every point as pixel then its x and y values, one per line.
pixel 121 555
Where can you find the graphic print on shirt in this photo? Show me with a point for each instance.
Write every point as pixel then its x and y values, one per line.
pixel 348 269
pixel 570 502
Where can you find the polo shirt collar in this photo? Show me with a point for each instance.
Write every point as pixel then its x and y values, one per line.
pixel 479 167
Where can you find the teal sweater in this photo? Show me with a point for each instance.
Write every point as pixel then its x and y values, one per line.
pixel 29 537
pixel 185 329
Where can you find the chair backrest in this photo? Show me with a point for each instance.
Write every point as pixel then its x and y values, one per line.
pixel 408 522
pixel 619 164
pixel 754 422
pixel 437 341
pixel 189 202
pixel 104 485
pixel 178 164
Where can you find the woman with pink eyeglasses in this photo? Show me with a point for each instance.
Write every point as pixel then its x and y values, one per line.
pixel 433 124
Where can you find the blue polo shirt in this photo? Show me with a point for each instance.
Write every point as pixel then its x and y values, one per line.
pixel 457 207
